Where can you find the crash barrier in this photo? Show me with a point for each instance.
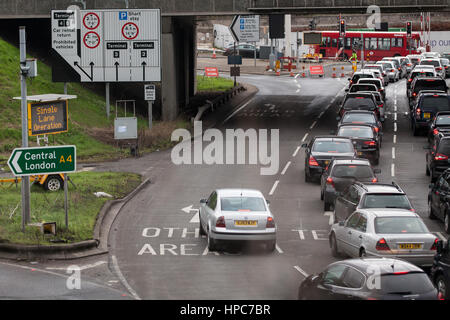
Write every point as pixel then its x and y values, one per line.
pixel 316 70
pixel 217 102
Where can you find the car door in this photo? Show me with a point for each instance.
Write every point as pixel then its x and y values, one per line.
pixel 435 196
pixel 444 193
pixel 344 237
pixel 208 209
pixel 330 278
pixel 340 205
pixel 357 235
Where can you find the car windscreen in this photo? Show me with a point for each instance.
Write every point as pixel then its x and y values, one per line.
pixel 445 62
pixel 359 118
pixel 356 132
pixel 442 120
pixel 433 63
pixel 399 225
pixel 381 200
pixel 405 283
pixel 444 147
pixel 359 103
pixel 356 77
pixel 415 60
pixel 422 74
pixel 352 171
pixel 435 103
pixel 387 66
pixel 332 146
pixel 363 87
pixel 430 85
pixel 374 82
pixel 242 204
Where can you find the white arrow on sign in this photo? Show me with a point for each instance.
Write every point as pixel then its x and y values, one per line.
pixel 196 217
pixel 245 28
pixel 331 215
pixel 15 164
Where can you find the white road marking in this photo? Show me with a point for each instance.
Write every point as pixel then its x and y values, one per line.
pixel 296 151
pixel 330 215
pixel 312 126
pixel 296 76
pixel 395 138
pixel 122 278
pixel 395 126
pixel 305 136
pixel 393 170
pixel 299 86
pixel 303 273
pixel 278 249
pixel 274 187
pixel 285 168
pixel 195 218
pixel 87 266
pixel 297 91
pixel 239 109
pixel 321 114
pixel 395 108
pixel 393 152
pixel 395 116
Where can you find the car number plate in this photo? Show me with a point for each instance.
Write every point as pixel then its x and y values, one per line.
pixel 360 153
pixel 426 115
pixel 246 222
pixel 410 246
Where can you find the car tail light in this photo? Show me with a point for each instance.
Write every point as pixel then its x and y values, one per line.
pixel 370 143
pixel 440 156
pixel 270 222
pixel 409 64
pixel 400 273
pixel 439 68
pixel 330 181
pixel 351 81
pixel 399 69
pixel 381 106
pixel 220 222
pixel 434 246
pixel 414 94
pixel 313 162
pixel 392 70
pixel 376 129
pixel 441 296
pixel 435 131
pixel 418 112
pixel 409 80
pixel 382 245
pixel 374 180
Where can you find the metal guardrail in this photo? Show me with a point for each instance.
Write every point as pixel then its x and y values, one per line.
pixel 220 100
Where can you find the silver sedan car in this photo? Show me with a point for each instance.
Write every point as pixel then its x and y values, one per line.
pixel 390 233
pixel 237 215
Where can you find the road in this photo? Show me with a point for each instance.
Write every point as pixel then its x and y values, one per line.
pixel 156 243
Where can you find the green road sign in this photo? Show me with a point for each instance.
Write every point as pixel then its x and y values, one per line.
pixel 43 160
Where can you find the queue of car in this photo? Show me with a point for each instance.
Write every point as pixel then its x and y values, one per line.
pixel 375 223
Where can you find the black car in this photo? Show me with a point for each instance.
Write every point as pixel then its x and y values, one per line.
pixel 369 195
pixel 362 87
pixel 359 101
pixel 440 123
pixel 361 117
pixel 427 83
pixel 356 279
pixel 423 73
pixel 428 104
pixel 437 160
pixel 245 50
pixel 340 174
pixel 365 139
pixel 439 200
pixel 321 150
pixel 440 271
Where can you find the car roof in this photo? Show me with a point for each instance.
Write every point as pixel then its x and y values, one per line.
pixel 237 192
pixel 433 93
pixel 352 161
pixel 385 265
pixel 428 79
pixel 359 93
pixel 368 79
pixel 363 72
pixel 359 111
pixel 380 187
pixel 355 125
pixel 330 138
pixel 389 212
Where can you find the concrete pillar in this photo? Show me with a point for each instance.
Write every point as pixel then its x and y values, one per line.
pixel 169 101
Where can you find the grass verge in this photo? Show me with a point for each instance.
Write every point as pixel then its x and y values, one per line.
pixel 213 84
pixel 47 206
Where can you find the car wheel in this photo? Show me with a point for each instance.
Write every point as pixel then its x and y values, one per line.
pixel 326 206
pixel 362 253
pixel 427 171
pixel 271 245
pixel 447 223
pixel 433 177
pixel 53 183
pixel 321 194
pixel 334 246
pixel 376 161
pixel 441 287
pixel 211 243
pixel 431 214
pixel 202 231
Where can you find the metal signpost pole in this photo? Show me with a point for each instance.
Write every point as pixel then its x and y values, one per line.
pixel 66 202
pixel 150 114
pixel 362 51
pixel 23 86
pixel 107 98
pixel 65 87
pixel 254 54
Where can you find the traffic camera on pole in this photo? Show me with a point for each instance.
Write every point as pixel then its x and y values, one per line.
pixel 342 28
pixel 312 25
pixel 408 29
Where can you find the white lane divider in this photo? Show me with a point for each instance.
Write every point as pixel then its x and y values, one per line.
pixel 305 136
pixel 122 278
pixel 395 126
pixel 395 116
pixel 274 187
pixel 296 151
pixel 393 152
pixel 239 109
pixel 303 273
pixel 87 266
pixel 393 170
pixel 312 126
pixel 321 114
pixel 394 138
pixel 278 249
pixel 285 168
pixel 297 91
pixel 296 76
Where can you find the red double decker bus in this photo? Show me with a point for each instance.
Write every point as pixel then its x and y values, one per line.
pixel 377 44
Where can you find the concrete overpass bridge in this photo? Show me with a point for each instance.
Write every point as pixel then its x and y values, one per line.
pixel 179 27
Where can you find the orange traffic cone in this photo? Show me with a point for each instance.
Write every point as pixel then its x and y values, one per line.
pixel 278 72
pixel 214 53
pixel 291 74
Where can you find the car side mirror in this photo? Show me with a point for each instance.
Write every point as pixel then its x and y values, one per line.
pixel 203 201
pixel 338 118
pixel 341 223
pixel 377 171
pixel 346 90
pixel 268 202
pixel 431 185
pixel 349 79
pixel 305 145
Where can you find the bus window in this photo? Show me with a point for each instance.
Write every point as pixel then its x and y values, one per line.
pixel 348 43
pixel 373 44
pixel 397 42
pixel 328 41
pixel 367 43
pixel 384 43
pixel 324 42
pixel 334 43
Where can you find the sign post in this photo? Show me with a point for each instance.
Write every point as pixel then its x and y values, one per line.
pixel 150 95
